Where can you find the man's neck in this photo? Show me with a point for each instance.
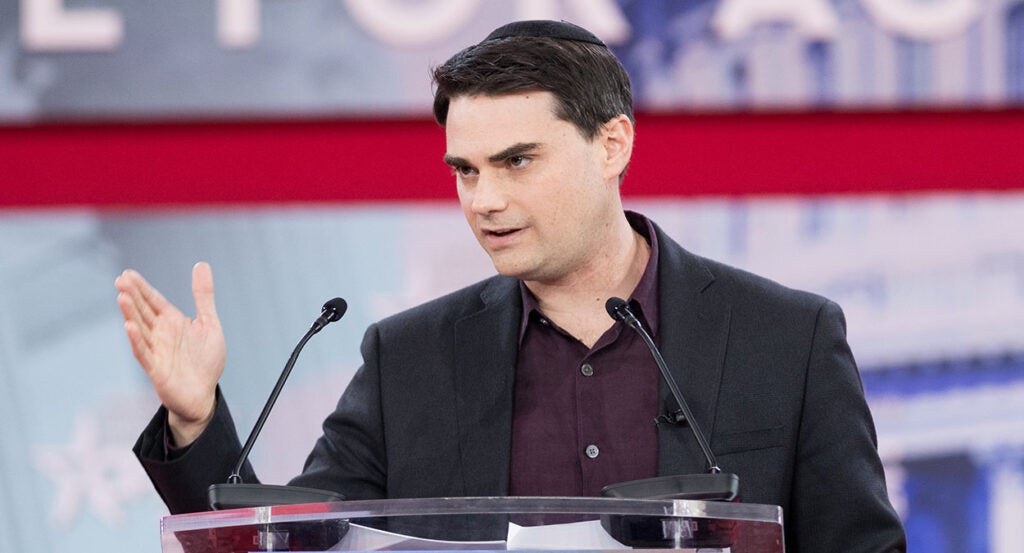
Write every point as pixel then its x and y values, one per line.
pixel 576 303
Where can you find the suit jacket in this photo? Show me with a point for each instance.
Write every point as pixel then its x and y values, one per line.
pixel 766 370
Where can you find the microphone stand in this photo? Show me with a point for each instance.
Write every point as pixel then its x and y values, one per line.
pixel 235 494
pixel 714 485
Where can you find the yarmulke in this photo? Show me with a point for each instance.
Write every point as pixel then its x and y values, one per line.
pixel 561 30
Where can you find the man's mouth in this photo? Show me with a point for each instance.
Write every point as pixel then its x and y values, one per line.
pixel 500 236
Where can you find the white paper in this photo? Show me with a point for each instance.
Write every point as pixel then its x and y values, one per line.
pixel 575 535
pixel 364 538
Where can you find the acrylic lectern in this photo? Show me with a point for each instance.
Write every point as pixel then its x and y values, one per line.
pixel 481 524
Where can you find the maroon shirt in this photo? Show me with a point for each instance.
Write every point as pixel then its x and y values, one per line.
pixel 584 418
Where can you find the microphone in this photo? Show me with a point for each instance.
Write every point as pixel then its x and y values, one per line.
pixel 331 312
pixel 714 485
pixel 235 494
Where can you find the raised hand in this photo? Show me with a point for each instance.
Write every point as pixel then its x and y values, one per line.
pixel 184 358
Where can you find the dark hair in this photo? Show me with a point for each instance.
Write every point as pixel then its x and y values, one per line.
pixel 589 84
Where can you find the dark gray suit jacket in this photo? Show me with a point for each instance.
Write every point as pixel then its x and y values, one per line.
pixel 766 370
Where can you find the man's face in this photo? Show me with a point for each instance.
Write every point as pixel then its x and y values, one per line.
pixel 539 196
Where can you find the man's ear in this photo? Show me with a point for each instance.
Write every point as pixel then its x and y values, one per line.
pixel 616 137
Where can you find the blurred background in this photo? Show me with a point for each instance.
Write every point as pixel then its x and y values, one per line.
pixel 868 150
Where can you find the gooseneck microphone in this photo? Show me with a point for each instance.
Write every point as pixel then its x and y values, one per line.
pixel 713 485
pixel 619 310
pixel 235 494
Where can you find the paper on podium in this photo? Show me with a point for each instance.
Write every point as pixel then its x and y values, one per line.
pixel 364 538
pixel 574 535
pixel 587 535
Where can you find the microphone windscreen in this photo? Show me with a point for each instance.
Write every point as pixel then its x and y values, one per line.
pixel 334 309
pixel 615 306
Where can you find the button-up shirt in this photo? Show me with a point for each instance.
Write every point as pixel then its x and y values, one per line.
pixel 583 418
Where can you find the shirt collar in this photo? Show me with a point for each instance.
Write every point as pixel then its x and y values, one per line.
pixel 643 300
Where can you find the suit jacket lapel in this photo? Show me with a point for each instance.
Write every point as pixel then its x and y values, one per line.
pixel 693 331
pixel 486 348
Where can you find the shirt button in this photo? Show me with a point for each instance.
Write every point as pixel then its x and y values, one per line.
pixel 587 370
pixel 544 321
pixel 592 451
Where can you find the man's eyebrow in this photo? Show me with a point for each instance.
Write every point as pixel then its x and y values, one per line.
pixel 513 150
pixel 454 161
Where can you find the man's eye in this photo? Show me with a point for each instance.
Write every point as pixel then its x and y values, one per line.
pixel 518 162
pixel 464 171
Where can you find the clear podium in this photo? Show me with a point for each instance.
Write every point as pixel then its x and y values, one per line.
pixel 481 524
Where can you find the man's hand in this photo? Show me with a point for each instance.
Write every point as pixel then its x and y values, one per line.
pixel 183 357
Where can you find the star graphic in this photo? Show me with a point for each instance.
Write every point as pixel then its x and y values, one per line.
pixel 90 473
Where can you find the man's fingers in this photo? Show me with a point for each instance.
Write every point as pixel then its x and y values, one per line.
pixel 140 345
pixel 127 306
pixel 137 289
pixel 129 301
pixel 132 318
pixel 202 291
pixel 151 302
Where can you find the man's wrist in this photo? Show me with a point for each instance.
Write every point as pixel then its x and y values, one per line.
pixel 183 432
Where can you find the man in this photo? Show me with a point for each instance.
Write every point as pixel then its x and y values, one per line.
pixel 522 384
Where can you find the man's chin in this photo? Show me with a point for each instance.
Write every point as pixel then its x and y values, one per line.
pixel 511 268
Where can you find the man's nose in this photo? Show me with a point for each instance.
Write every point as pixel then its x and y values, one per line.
pixel 490 194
